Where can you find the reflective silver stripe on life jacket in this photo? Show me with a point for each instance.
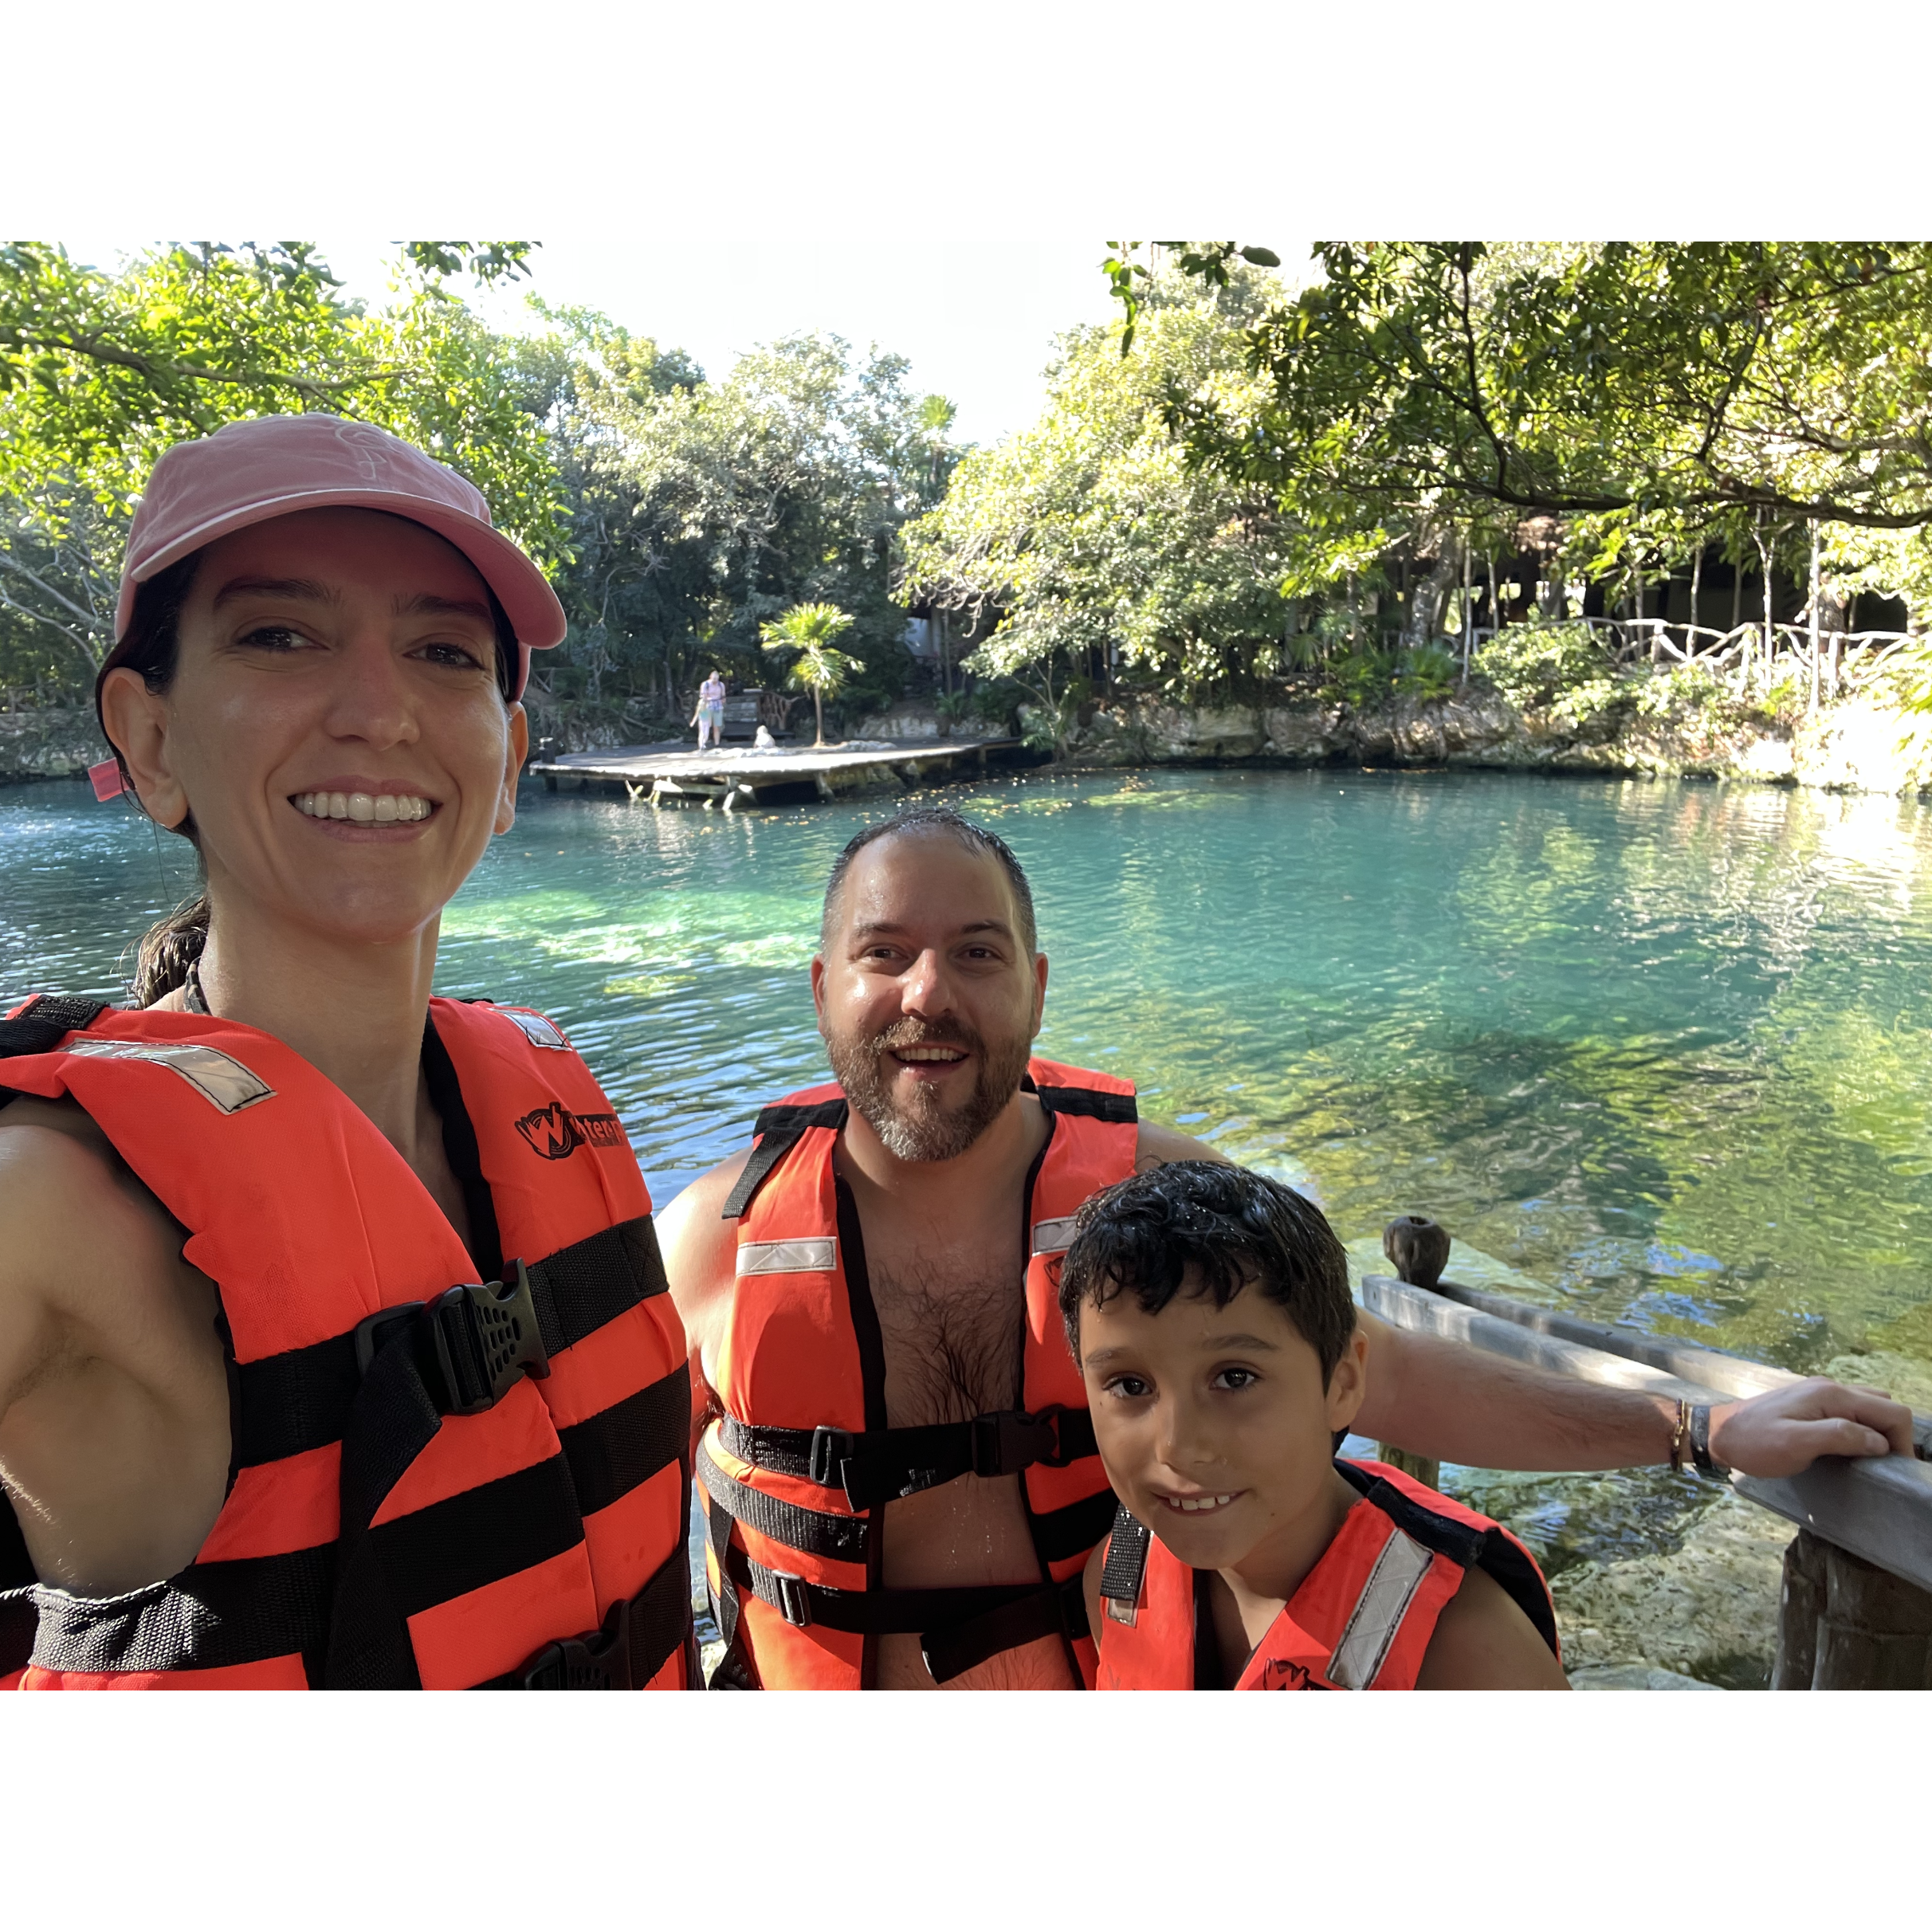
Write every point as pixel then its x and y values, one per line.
pixel 1054 1237
pixel 1378 1611
pixel 538 1031
pixel 220 1079
pixel 817 1255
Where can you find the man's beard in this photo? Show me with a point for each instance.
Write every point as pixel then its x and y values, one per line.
pixel 924 1130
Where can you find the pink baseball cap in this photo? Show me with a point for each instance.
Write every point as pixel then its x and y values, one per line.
pixel 247 473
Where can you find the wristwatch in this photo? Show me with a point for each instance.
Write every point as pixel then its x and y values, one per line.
pixel 1700 1442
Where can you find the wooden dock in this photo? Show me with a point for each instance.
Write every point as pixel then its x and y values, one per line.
pixel 736 776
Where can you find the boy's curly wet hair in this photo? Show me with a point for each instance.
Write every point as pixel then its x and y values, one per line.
pixel 1201 1227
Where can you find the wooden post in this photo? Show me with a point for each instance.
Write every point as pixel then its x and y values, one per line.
pixel 1799 1606
pixel 1876 1632
pixel 1418 1250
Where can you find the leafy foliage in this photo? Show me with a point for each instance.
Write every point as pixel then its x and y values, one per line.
pixel 1536 666
pixel 1088 539
pixel 100 372
pixel 703 509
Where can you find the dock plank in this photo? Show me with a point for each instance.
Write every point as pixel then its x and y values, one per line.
pixel 738 773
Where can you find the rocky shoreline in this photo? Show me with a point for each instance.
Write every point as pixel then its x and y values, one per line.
pixel 1855 744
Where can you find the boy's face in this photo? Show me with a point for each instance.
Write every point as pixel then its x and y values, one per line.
pixel 1213 1422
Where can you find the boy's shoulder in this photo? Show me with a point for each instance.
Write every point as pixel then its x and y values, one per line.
pixel 1483 1641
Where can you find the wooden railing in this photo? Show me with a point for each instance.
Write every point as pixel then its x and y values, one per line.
pixel 1836 660
pixel 1856 1607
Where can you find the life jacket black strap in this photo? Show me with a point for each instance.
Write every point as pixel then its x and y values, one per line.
pixel 957 1628
pixel 778 1129
pixel 19 1620
pixel 842 1539
pixel 1463 1544
pixel 1125 1569
pixel 878 1465
pixel 1058 1609
pixel 45 1022
pixel 970 1625
pixel 1121 1109
pixel 300 1399
pixel 638 1638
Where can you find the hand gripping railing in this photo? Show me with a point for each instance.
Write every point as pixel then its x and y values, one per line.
pixel 1856 1608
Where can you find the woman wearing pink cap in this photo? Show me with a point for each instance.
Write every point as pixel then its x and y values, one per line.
pixel 333 1349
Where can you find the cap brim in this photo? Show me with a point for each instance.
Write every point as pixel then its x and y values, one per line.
pixel 520 587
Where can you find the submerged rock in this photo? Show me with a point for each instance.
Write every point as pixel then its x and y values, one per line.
pixel 1634 1677
pixel 1707 1610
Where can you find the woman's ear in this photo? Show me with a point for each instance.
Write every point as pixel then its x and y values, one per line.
pixel 137 727
pixel 519 751
pixel 1348 1384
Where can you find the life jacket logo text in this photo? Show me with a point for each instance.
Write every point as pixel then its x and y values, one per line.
pixel 555 1133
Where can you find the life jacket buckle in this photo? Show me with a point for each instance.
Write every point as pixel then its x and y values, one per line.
pixel 830 1448
pixel 598 1661
pixel 794 1599
pixel 486 1339
pixel 1009 1440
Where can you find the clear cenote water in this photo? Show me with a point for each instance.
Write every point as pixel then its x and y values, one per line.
pixel 1661 1046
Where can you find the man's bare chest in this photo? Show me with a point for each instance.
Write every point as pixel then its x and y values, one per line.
pixel 951 1323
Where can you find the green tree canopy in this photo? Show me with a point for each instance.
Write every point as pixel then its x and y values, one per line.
pixel 1089 536
pixel 1656 396
pixel 101 372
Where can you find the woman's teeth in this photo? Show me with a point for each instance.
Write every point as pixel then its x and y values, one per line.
pixel 1193 1504
pixel 382 808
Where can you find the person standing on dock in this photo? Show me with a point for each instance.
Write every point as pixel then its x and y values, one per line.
pixel 892 1440
pixel 334 1350
pixel 710 713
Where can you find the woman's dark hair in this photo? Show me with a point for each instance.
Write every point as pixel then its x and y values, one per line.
pixel 1230 1227
pixel 152 645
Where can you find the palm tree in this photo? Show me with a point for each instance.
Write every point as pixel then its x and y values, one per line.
pixel 809 629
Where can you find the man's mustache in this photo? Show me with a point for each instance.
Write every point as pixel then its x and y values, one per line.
pixel 922 1033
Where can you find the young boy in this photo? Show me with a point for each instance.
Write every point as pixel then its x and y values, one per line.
pixel 1209 1310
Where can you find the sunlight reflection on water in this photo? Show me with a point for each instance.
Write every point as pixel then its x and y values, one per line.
pixel 1659 1045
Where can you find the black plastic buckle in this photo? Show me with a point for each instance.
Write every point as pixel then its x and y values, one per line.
pixel 484 1337
pixel 830 1448
pixel 600 1661
pixel 486 1340
pixel 1007 1442
pixel 794 1599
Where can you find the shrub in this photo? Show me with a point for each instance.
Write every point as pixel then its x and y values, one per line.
pixel 1538 665
pixel 1427 672
pixel 1364 677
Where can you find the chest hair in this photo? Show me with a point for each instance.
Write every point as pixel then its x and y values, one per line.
pixel 953 1342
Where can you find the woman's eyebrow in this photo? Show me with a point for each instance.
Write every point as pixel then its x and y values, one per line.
pixel 428 604
pixel 304 589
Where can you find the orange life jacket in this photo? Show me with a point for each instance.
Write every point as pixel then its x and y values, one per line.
pixel 434 1484
pixel 1360 1621
pixel 796 1473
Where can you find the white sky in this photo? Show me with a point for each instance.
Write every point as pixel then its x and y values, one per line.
pixel 942 179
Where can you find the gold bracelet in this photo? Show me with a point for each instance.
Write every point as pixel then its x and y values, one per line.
pixel 1680 1438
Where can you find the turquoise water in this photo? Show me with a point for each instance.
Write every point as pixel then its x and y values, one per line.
pixel 1662 1046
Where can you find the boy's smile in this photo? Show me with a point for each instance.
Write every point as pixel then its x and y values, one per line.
pixel 1216 1430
